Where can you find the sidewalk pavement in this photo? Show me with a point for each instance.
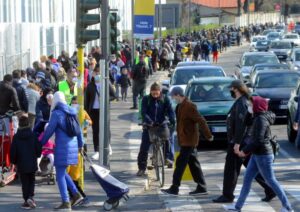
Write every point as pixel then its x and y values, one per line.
pixel 126 136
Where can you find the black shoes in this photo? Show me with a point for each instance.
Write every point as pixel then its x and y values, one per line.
pixel 133 108
pixel 268 198
pixel 223 199
pixel 173 190
pixel 198 192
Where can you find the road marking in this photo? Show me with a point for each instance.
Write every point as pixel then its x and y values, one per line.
pixel 288 156
pixel 183 202
pixel 253 201
pixel 293 190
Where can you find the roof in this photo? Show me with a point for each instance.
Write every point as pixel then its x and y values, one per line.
pixel 193 67
pixel 217 3
pixel 211 79
pixel 271 65
pixel 278 72
pixel 258 53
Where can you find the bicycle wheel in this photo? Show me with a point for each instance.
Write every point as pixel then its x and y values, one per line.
pixel 160 165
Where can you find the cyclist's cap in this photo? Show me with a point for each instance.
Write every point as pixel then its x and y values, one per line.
pixel 236 84
pixel 177 91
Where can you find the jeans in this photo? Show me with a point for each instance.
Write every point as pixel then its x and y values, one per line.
pixel 124 92
pixel 170 149
pixel 95 114
pixel 261 164
pixel 64 181
pixel 138 89
pixel 27 180
pixel 188 156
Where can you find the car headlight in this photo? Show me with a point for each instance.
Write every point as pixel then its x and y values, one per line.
pixel 297 68
pixel 271 51
pixel 289 52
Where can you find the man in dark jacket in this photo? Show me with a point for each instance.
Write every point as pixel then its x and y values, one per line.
pixel 21 92
pixel 155 110
pixel 236 131
pixel 139 75
pixel 25 150
pixel 188 123
pixel 8 98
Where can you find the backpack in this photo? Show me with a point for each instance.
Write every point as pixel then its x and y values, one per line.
pixel 72 125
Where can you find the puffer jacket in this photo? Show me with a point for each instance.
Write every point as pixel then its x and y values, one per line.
pixel 66 147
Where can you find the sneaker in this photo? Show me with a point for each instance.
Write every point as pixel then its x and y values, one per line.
pixel 133 108
pixel 169 164
pixel 31 203
pixel 171 191
pixel 222 199
pixel 65 206
pixel 25 206
pixel 85 202
pixel 77 198
pixel 95 156
pixel 199 192
pixel 231 208
pixel 286 210
pixel 141 173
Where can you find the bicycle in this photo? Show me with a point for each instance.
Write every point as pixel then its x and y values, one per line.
pixel 158 159
pixel 7 170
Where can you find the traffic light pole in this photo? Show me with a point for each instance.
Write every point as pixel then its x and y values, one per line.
pixel 104 108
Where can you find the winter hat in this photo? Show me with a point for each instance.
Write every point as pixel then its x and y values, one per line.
pixel 259 104
pixel 58 97
pixel 40 75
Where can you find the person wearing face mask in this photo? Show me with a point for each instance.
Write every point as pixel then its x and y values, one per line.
pixel 43 106
pixel 155 110
pixel 92 106
pixel 8 98
pixel 236 130
pixel 262 157
pixel 189 124
pixel 69 86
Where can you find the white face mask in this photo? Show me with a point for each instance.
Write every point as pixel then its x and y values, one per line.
pixel 75 106
pixel 250 109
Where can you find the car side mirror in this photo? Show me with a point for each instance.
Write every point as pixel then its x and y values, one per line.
pixel 296 98
pixel 166 83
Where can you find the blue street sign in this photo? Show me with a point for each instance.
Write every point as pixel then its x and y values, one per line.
pixel 143 26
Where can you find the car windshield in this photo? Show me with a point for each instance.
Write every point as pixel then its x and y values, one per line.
pixel 273 35
pixel 291 36
pixel 183 76
pixel 264 68
pixel 262 43
pixel 281 45
pixel 278 80
pixel 252 60
pixel 210 92
pixel 297 56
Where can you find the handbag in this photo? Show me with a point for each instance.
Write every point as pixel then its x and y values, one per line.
pixel 275 145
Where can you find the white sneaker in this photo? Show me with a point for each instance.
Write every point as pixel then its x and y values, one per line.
pixel 231 208
pixel 110 150
pixel 95 156
pixel 283 209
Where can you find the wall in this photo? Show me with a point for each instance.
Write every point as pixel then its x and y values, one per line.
pixel 257 18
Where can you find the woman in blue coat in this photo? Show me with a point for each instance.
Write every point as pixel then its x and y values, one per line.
pixel 66 149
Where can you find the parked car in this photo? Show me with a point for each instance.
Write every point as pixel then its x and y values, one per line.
pixel 182 75
pixel 297 29
pixel 213 100
pixel 282 49
pixel 254 41
pixel 294 60
pixel 274 36
pixel 293 38
pixel 250 59
pixel 262 45
pixel 267 67
pixel 276 86
pixel 267 31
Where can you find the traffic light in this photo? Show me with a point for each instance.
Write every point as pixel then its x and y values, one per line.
pixel 84 19
pixel 114 32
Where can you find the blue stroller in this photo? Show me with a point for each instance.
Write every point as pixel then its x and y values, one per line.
pixel 115 190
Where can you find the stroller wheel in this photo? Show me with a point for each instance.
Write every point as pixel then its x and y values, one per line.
pixel 115 204
pixel 107 206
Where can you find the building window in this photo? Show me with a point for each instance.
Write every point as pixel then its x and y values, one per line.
pixel 5 9
pixel 41 41
pixel 61 38
pixel 50 41
pixel 29 9
pixel 23 10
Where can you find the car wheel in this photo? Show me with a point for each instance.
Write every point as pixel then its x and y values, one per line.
pixel 292 134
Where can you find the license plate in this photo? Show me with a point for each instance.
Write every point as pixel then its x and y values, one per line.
pixel 219 129
pixel 283 107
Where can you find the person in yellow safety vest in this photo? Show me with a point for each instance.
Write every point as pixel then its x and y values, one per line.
pixel 69 86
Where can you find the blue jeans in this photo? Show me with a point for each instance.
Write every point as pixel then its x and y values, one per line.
pixel 297 141
pixel 170 149
pixel 64 181
pixel 261 164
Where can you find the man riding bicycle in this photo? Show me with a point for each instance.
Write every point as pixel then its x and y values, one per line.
pixel 156 108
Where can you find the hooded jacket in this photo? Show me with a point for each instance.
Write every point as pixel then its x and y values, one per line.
pixel 25 150
pixel 261 133
pixel 22 95
pixel 66 147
